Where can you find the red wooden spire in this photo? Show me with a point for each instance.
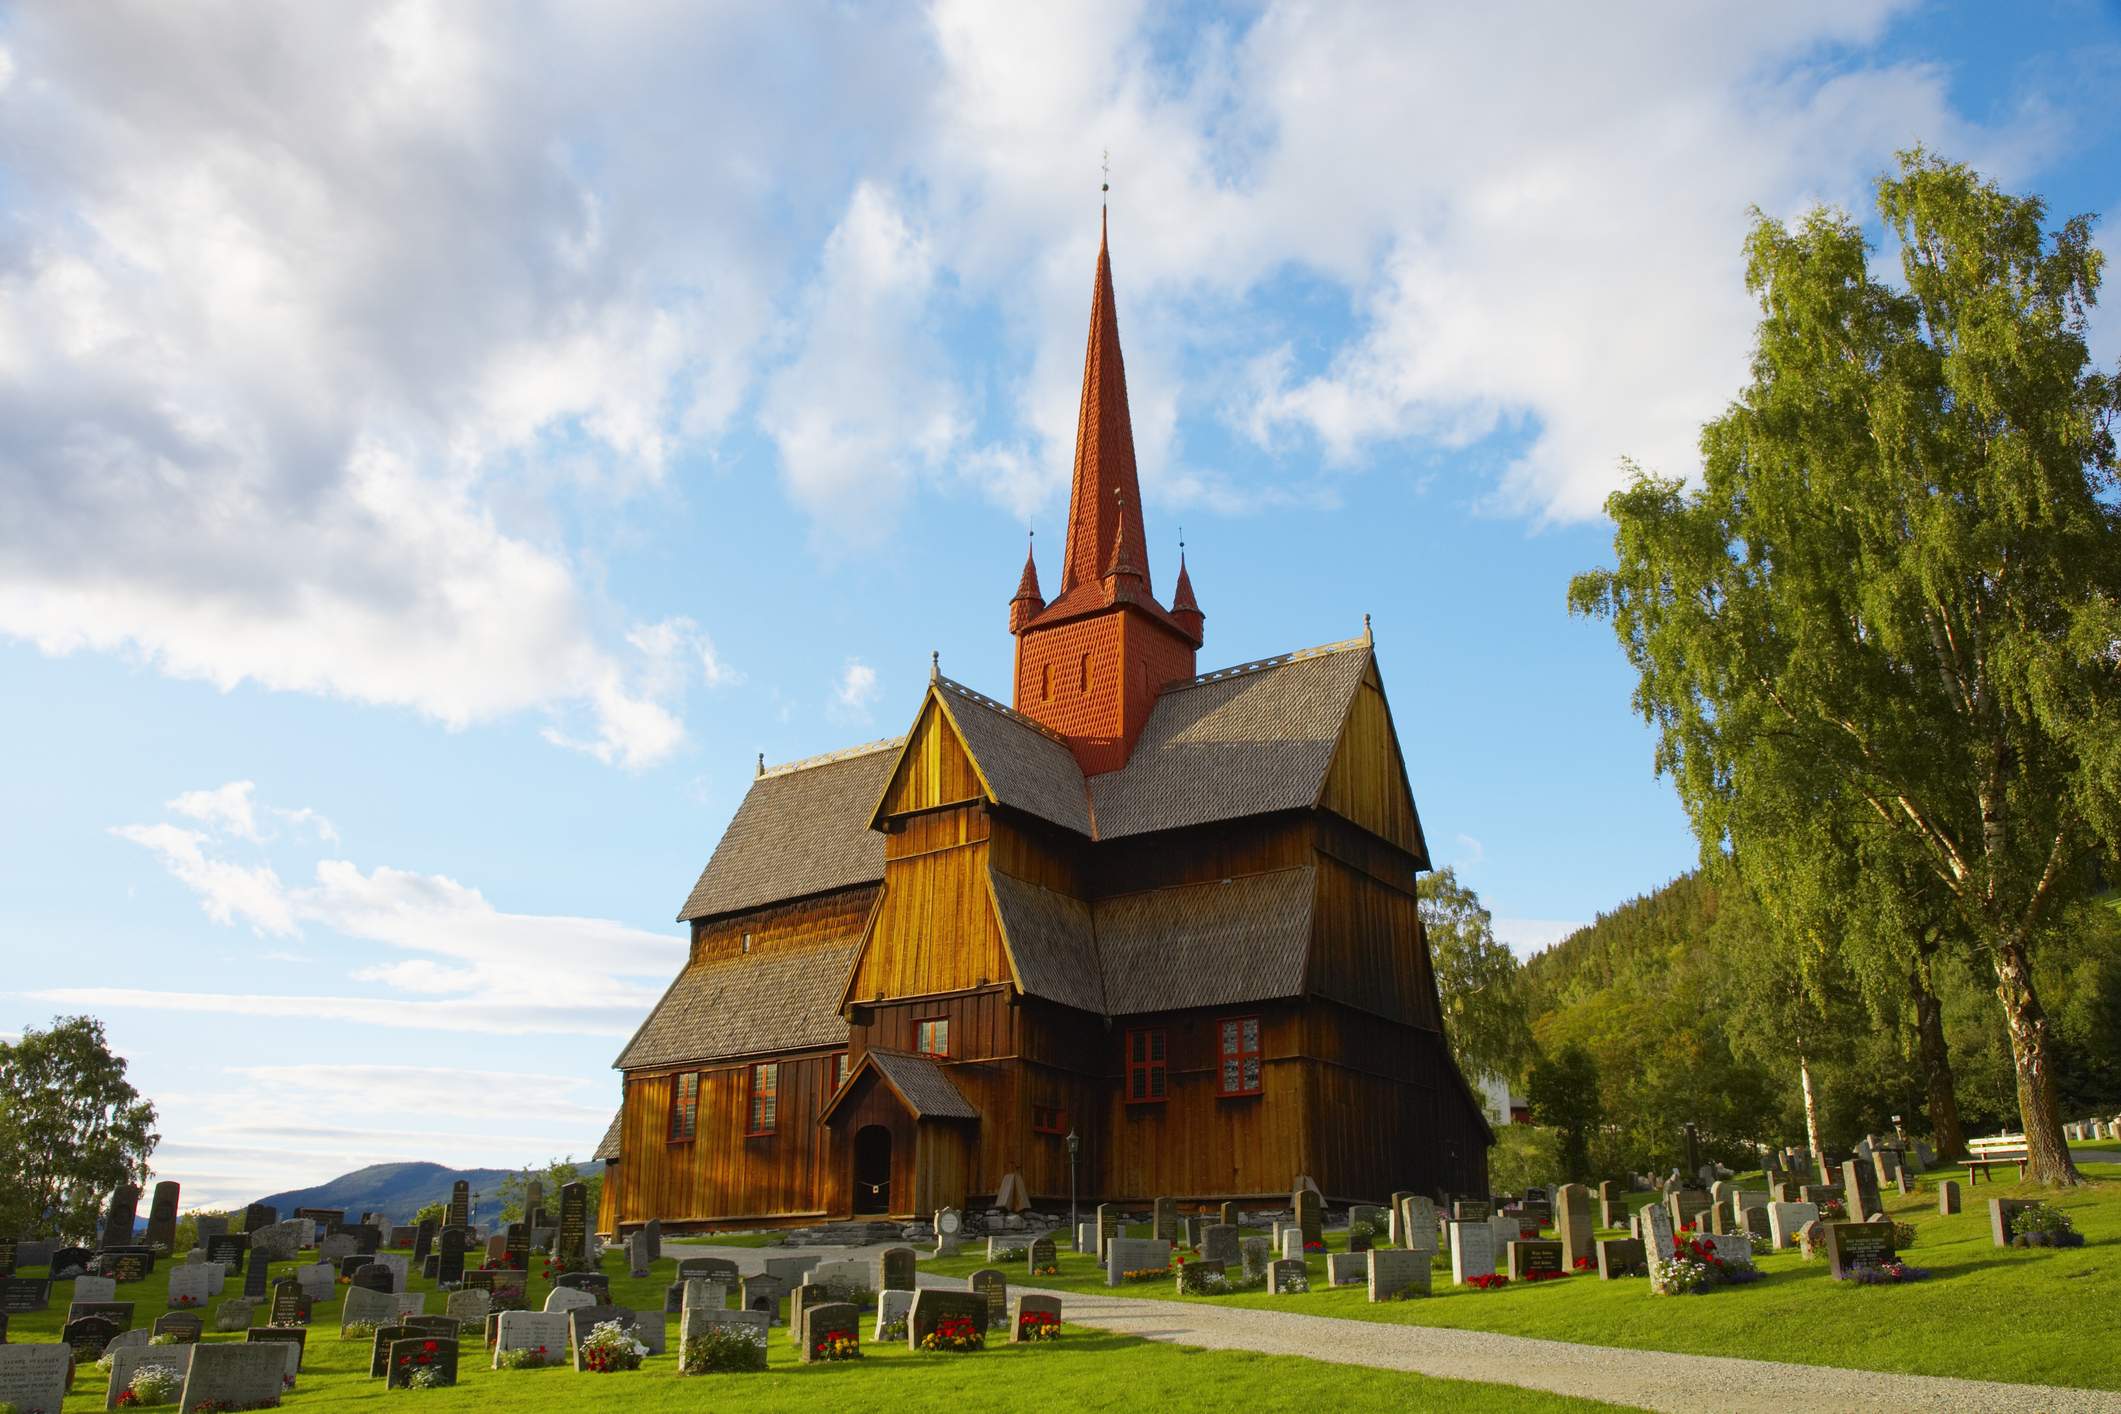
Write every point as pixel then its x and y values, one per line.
pixel 1027 601
pixel 1105 502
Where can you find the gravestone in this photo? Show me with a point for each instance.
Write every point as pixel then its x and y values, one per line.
pixel 1505 1229
pixel 88 1336
pixel 933 1305
pixel 257 1276
pixel 95 1289
pixel 1163 1219
pixel 582 1321
pixel 723 1270
pixel 459 1211
pixel 432 1357
pixel 1947 1197
pixel 1859 1188
pixel 189 1287
pixel 126 1264
pixel 515 1247
pixel 450 1270
pixel 1310 1214
pixel 1573 1201
pixel 894 1269
pixel 337 1248
pixel 697 1293
pixel 1733 1248
pixel 764 1292
pixel 130 1360
pixel 22 1295
pixel 259 1215
pixel 423 1241
pixel 118 1313
pixel 1254 1253
pixel 318 1280
pixel 1218 1243
pixel 530 1330
pixel 1612 1206
pixel 1086 1236
pixel 824 1322
pixel 229 1249
pixel 1532 1259
pixel 35 1376
pixel 1106 1216
pixel 636 1255
pixel 379 1347
pixel 1467 1210
pixel 891 1308
pixel 1392 1217
pixel 1687 1205
pixel 802 1295
pixel 430 1325
pixel 1852 1245
pixel 1292 1244
pixel 235 1314
pixel 595 1283
pixel 1359 1240
pixel 1784 1219
pixel 291 1341
pixel 949 1225
pixel 1043 1254
pixel 1347 1268
pixel 1227 1213
pixel 371 1277
pixel 1396 1272
pixel 792 1270
pixel 1809 1238
pixel 1657 1232
pixel 697 1321
pixel 571 1244
pixel 69 1262
pixel 995 1287
pixel 1620 1257
pixel 1287 1278
pixel 290 1303
pixel 1417 1224
pixel 162 1216
pixel 567 1298
pixel 1472 1251
pixel 363 1303
pixel 1192 1225
pixel 1032 1305
pixel 2001 1211
pixel 1753 1222
pixel 652 1234
pixel 469 1307
pixel 1133 1254
pixel 120 1218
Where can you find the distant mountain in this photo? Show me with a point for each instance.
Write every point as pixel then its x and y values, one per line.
pixel 401 1190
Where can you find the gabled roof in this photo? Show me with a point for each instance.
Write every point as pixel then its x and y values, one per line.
pixel 923 1085
pixel 1244 741
pixel 1025 765
pixel 1051 939
pixel 739 1006
pixel 1217 944
pixel 802 829
pixel 608 1146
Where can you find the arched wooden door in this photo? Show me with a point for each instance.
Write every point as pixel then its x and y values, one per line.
pixel 872 1169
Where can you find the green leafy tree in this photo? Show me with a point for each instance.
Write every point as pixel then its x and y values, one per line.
pixel 1898 592
pixel 1477 981
pixel 556 1174
pixel 1563 1091
pixel 71 1129
pixel 438 1211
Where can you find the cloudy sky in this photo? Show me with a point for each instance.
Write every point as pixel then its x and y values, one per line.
pixel 442 444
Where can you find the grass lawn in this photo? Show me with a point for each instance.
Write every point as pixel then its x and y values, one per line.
pixel 1084 1369
pixel 2039 1315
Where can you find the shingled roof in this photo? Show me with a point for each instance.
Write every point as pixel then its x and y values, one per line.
pixel 802 829
pixel 1028 767
pixel 769 1001
pixel 1052 939
pixel 1244 741
pixel 924 1085
pixel 1216 944
pixel 608 1146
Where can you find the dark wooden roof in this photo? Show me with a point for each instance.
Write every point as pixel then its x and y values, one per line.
pixel 924 1085
pixel 1213 944
pixel 1028 767
pixel 802 829
pixel 744 1005
pixel 608 1146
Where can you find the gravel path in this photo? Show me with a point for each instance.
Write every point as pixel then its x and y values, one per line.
pixel 1646 1379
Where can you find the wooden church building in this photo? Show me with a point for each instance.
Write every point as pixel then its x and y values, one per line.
pixel 1170 912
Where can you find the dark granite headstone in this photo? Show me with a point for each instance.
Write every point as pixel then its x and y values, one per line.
pixel 423 1242
pixel 995 1287
pixel 229 1250
pixel 932 1305
pixel 1621 1257
pixel 89 1336
pixel 432 1357
pixel 1310 1215
pixel 1532 1259
pixel 118 1313
pixel 24 1294
pixel 596 1283
pixel 1469 1210
pixel 290 1304
pixel 127 1266
pixel 368 1239
pixel 379 1348
pixel 70 1262
pixel 373 1277
pixel 122 1216
pixel 184 1325
pixel 259 1215
pixel 459 1204
pixel 572 1245
pixel 451 1269
pixel 519 1246
pixel 297 1336
pixel 1043 1254
pixel 1852 1245
pixel 162 1216
pixel 257 1284
pixel 894 1266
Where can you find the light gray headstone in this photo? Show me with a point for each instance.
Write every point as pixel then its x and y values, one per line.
pixel 1133 1254
pixel 239 1376
pixel 126 1363
pixel 189 1288
pixel 399 1264
pixel 1417 1224
pixel 95 1289
pixel 1292 1244
pixel 891 1306
pixel 235 1314
pixel 470 1304
pixel 1732 1246
pixel 318 1280
pixel 338 1245
pixel 756 1325
pixel 1656 1242
pixel 1347 1268
pixel 33 1375
pixel 364 1305
pixel 1472 1251
pixel 565 1298
pixel 1784 1219
pixel 1395 1271
pixel 527 1330
pixel 1218 1243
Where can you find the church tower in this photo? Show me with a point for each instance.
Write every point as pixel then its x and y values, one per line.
pixel 1090 663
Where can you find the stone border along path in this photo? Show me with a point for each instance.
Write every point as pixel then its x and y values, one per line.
pixel 1643 1379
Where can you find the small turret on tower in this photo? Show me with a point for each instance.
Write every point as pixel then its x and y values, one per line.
pixel 1028 601
pixel 1185 610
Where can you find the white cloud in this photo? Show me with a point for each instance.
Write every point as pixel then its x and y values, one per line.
pixel 1525 936
pixel 228 892
pixel 856 689
pixel 1470 851
pixel 228 809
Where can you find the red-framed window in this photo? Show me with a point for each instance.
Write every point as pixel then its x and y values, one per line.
pixel 684 1107
pixel 765 1098
pixel 932 1036
pixel 1049 1119
pixel 1239 1041
pixel 839 1070
pixel 1145 1066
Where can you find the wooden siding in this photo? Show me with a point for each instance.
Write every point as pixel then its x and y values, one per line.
pixel 934 928
pixel 934 768
pixel 788 927
pixel 1219 851
pixel 1367 947
pixel 1414 1130
pixel 721 1174
pixel 1367 782
pixel 982 1064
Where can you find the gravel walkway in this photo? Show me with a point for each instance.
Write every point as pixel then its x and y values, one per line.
pixel 1646 1379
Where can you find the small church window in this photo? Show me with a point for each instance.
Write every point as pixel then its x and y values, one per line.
pixel 765 1098
pixel 839 1070
pixel 1145 1066
pixel 1240 1056
pixel 932 1037
pixel 684 1106
pixel 1049 1119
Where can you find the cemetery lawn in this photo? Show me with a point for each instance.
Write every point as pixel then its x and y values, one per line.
pixel 2025 1315
pixel 1083 1369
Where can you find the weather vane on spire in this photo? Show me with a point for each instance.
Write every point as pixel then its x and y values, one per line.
pixel 1108 171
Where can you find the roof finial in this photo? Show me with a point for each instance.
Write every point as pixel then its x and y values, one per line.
pixel 1108 171
pixel 935 664
pixel 762 763
pixel 1366 635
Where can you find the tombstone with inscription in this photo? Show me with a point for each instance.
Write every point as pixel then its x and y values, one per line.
pixel 1620 1257
pixel 1852 1245
pixel 1218 1242
pixel 1254 1253
pixel 1163 1219
pixel 934 1305
pixel 450 1269
pixel 1531 1260
pixel 1134 1254
pixel 1396 1272
pixel 571 1244
pixel 1784 1220
pixel 290 1303
pixel 1472 1251
pixel 122 1216
pixel 1466 1210
pixel 531 1330
pixel 22 1295
pixel 431 1359
pixel 1657 1235
pixel 1287 1278
pixel 162 1216
pixel 995 1287
pixel 188 1286
pixel 35 1376
pixel 1573 1202
pixel 1310 1215
pixel 1043 1254
pixel 801 1297
pixel 764 1293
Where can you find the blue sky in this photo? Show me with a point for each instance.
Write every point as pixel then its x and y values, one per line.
pixel 439 449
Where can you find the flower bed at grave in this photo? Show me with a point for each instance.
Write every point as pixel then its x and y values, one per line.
pixel 954 1333
pixel 1050 1269
pixel 892 1330
pixel 358 1330
pixel 1009 1254
pixel 1695 1267
pixel 1544 1276
pixel 1314 1247
pixel 525 1357
pixel 1585 1264
pixel 1194 1281
pixel 1037 1325
pixel 419 1366
pixel 186 1300
pixel 1145 1274
pixel 1833 1210
pixel 1489 1282
pixel 2044 1225
pixel 837 1345
pixel 611 1347
pixel 151 1385
pixel 1890 1273
pixel 733 1349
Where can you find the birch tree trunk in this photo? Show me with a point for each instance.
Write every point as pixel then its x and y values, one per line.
pixel 1811 1118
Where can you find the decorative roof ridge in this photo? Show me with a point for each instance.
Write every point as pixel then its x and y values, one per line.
pixel 845 753
pixel 1260 665
pixel 974 695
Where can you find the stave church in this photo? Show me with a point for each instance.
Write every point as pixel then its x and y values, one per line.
pixel 1142 928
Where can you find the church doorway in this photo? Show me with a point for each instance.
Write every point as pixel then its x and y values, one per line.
pixel 872 1169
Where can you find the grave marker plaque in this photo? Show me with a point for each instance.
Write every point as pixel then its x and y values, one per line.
pixel 995 1287
pixel 932 1305
pixel 1218 1243
pixel 1620 1257
pixel 379 1348
pixel 34 1376
pixel 459 1204
pixel 1852 1245
pixel 128 1265
pixel 450 1270
pixel 423 1241
pixel 186 1326
pixel 1532 1260
pixel 894 1269
pixel 1397 1272
pixel 1043 1254
pixel 572 1244
pixel 88 1337
pixel 24 1294
pixel 229 1250
pixel 431 1357
pixel 290 1304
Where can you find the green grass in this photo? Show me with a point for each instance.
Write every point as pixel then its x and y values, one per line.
pixel 2023 1315
pixel 1084 1369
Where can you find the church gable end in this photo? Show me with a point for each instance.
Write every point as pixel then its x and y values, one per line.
pixel 1367 781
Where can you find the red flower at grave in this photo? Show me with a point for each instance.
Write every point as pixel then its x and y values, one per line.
pixel 430 1347
pixel 1583 1264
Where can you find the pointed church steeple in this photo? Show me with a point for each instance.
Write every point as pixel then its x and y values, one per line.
pixel 1104 501
pixel 1027 601
pixel 1184 608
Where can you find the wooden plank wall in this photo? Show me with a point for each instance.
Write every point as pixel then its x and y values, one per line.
pixel 981 1063
pixel 721 1174
pixel 874 1103
pixel 934 929
pixel 1368 948
pixel 1367 782
pixel 934 769
pixel 1389 1115
pixel 829 920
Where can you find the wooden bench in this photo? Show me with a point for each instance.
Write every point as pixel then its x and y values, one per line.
pixel 1984 1154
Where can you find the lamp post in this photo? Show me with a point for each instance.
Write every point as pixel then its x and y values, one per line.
pixel 1075 1144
